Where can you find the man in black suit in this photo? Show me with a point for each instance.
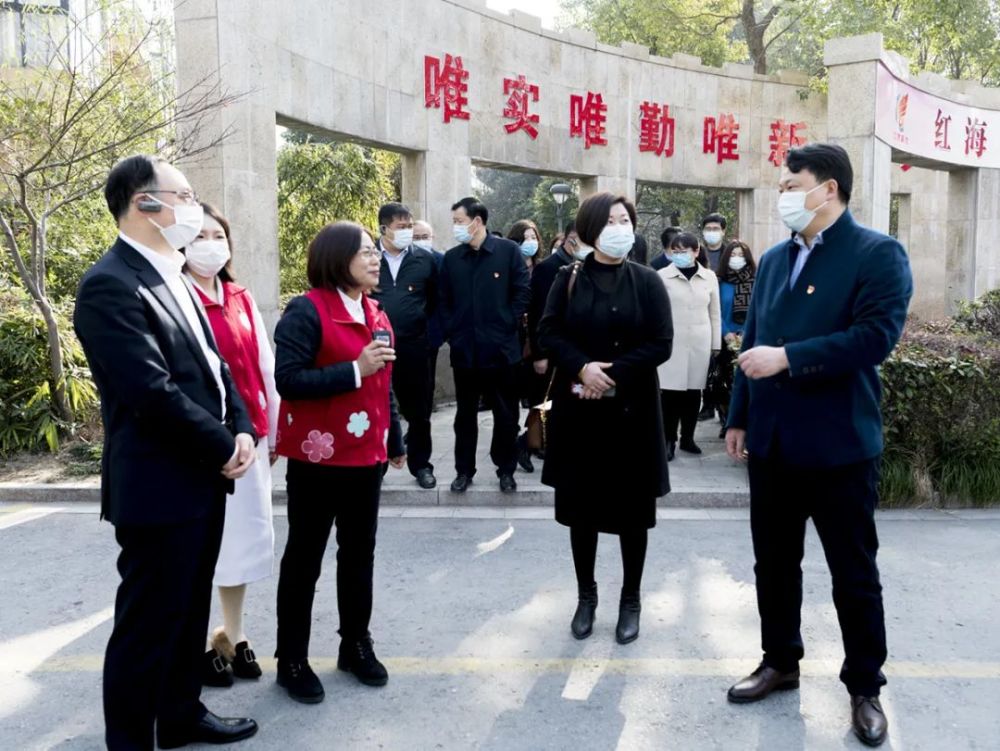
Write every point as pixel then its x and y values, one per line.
pixel 176 436
pixel 828 306
pixel 541 282
pixel 484 293
pixel 407 290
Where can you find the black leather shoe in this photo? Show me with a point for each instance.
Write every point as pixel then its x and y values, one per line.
pixel 300 681
pixel 688 444
pixel 868 720
pixel 507 483
pixel 245 663
pixel 209 729
pixel 215 670
pixel 426 478
pixel 671 450
pixel 524 454
pixel 358 657
pixel 461 483
pixel 760 683
pixel 583 619
pixel 629 607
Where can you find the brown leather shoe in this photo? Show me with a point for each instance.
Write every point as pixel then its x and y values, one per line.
pixel 762 682
pixel 868 720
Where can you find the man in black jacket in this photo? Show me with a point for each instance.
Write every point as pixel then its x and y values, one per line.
pixel 176 436
pixel 407 289
pixel 484 293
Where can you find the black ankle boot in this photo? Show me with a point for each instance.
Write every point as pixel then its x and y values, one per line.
pixel 358 657
pixel 583 618
pixel 628 618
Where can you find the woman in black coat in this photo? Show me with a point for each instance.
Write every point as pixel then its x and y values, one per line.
pixel 606 327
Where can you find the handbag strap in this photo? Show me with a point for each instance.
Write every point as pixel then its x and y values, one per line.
pixel 577 265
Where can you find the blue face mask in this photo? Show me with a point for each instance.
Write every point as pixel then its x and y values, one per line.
pixel 529 248
pixel 682 260
pixel 461 233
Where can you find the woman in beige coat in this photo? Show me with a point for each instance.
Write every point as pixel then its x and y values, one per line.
pixel 694 301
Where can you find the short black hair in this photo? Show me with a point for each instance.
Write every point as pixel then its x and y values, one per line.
pixel 473 207
pixel 714 217
pixel 328 265
pixel 825 161
pixel 392 210
pixel 592 216
pixel 130 176
pixel 667 235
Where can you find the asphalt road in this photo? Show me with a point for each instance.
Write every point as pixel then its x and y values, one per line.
pixel 472 610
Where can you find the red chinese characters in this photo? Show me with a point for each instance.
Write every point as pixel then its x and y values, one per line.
pixel 975 136
pixel 519 95
pixel 587 119
pixel 445 86
pixel 784 136
pixel 656 129
pixel 721 137
pixel 941 123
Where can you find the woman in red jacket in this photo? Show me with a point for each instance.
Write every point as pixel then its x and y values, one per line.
pixel 247 552
pixel 338 427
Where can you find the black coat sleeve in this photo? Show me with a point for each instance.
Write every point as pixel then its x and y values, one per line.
pixel 541 283
pixel 657 342
pixel 237 415
pixel 110 321
pixel 521 282
pixel 395 446
pixel 297 339
pixel 553 333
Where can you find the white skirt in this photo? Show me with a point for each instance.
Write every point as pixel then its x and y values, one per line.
pixel 247 552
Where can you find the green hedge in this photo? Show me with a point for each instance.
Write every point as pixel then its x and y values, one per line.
pixel 941 404
pixel 28 419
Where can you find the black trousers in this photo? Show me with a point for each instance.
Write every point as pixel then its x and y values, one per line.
pixel 318 496
pixel 432 365
pixel 680 407
pixel 411 380
pixel 152 666
pixel 500 388
pixel 841 502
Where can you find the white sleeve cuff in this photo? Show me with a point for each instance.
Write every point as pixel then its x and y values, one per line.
pixel 357 375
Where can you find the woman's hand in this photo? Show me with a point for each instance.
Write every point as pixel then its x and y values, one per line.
pixel 374 357
pixel 541 366
pixel 273 457
pixel 595 381
pixel 398 461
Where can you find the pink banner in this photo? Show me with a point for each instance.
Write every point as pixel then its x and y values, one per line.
pixel 930 126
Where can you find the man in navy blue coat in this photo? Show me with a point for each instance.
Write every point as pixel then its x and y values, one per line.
pixel 484 293
pixel 828 307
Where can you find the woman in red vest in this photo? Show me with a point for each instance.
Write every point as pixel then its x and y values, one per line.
pixel 247 552
pixel 338 427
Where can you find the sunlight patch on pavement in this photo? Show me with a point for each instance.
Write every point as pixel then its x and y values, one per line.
pixel 11 518
pixel 490 545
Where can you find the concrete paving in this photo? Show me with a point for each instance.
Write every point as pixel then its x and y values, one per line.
pixel 711 480
pixel 472 609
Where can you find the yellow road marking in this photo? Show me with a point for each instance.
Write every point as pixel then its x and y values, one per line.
pixel 652 666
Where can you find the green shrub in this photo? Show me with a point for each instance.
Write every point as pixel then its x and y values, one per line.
pixel 941 403
pixel 28 419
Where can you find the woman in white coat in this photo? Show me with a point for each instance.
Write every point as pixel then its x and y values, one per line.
pixel 247 552
pixel 694 302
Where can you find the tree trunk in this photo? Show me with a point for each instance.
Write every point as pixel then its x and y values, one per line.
pixel 57 375
pixel 754 33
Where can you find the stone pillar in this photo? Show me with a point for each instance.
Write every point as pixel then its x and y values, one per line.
pixel 617 185
pixel 432 182
pixel 973 263
pixel 987 217
pixel 760 225
pixel 240 174
pixel 852 65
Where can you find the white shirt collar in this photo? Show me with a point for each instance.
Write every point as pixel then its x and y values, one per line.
pixel 165 265
pixel 355 308
pixel 800 241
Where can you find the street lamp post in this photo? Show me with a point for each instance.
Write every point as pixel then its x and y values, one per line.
pixel 560 192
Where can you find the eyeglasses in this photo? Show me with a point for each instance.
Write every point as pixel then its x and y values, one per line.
pixel 187 196
pixel 371 254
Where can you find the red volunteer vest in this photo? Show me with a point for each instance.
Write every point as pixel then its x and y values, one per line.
pixel 349 429
pixel 236 337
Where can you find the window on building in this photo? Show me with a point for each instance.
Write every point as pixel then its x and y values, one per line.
pixel 31 31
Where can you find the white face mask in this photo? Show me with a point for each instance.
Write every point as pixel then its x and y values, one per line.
pixel 424 244
pixel 402 238
pixel 461 233
pixel 188 219
pixel 616 240
pixel 793 211
pixel 207 257
pixel 736 263
pixel 712 237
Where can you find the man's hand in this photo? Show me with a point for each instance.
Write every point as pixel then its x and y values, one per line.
pixel 541 366
pixel 595 381
pixel 763 362
pixel 736 440
pixel 398 461
pixel 272 457
pixel 243 457
pixel 374 357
